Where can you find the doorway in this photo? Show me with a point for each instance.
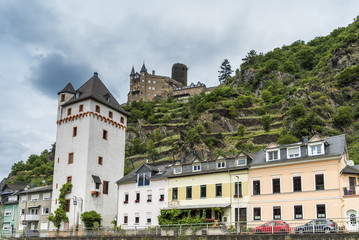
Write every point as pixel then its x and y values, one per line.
pixel 352 223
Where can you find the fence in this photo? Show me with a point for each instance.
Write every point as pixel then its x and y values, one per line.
pixel 225 228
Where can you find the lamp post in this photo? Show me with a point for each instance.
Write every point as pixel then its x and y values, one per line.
pixel 238 230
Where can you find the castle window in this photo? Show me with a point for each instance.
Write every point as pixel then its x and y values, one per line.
pixel 81 108
pixel 62 98
pixel 149 88
pixel 149 81
pixel 71 158
pixel 104 134
pixel 97 109
pixel 67 205
pixel 69 179
pixel 110 114
pixel 153 88
pixel 74 132
pixel 69 112
pixel 105 187
pixel 122 120
pixel 100 160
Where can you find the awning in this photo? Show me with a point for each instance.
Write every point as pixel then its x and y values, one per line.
pixel 96 179
pixel 204 206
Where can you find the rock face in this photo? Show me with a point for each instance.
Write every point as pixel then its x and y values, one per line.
pixel 344 57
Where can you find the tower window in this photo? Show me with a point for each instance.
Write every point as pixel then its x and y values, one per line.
pixel 100 160
pixel 62 98
pixel 122 120
pixel 110 114
pixel 67 205
pixel 97 109
pixel 81 108
pixel 105 187
pixel 74 132
pixel 71 158
pixel 104 134
pixel 69 112
pixel 69 179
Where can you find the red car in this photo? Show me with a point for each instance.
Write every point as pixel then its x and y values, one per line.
pixel 272 227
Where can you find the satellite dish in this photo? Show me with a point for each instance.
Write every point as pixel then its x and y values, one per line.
pixel 43 181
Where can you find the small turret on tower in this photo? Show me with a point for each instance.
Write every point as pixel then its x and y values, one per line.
pixel 143 69
pixel 132 72
pixel 64 96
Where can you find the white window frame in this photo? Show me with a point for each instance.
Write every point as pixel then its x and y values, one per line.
pixel 245 162
pixel 177 170
pixel 23 198
pixel 294 205
pixel 125 215
pixel 7 213
pixel 260 210
pixel 12 198
pixel 137 215
pixel 280 185
pixel 148 216
pixel 290 148
pixel 280 207
pixel 270 151
pixel 35 197
pixel 44 212
pixel 6 226
pixel 260 187
pixel 315 186
pixel 221 164
pixel 34 211
pixel 301 182
pixel 46 196
pixel 196 167
pixel 316 151
pixel 325 207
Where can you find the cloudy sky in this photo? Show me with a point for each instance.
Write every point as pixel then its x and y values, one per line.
pixel 46 44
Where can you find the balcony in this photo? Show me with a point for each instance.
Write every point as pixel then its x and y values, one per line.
pixel 350 192
pixel 30 217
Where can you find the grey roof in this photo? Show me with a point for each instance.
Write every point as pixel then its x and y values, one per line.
pixel 69 89
pixel 13 187
pixel 335 146
pixel 38 189
pixel 351 169
pixel 153 168
pixel 133 71
pixel 143 69
pixel 163 171
pixel 95 89
pixel 96 179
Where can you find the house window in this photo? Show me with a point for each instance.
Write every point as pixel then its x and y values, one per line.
pixel 221 164
pixel 276 213
pixel 137 197
pixel 126 197
pixel 241 162
pixel 22 212
pixel 71 158
pixel 174 193
pixel 33 211
pixel 321 211
pixel 256 213
pixel 46 196
pixel 74 132
pixel 12 198
pixel 97 109
pixel 273 155
pixel 58 160
pixel 45 211
pixel 319 182
pixel 293 152
pixel 189 192
pixel 81 108
pixel 203 191
pixel 23 198
pixel 276 185
pixel 177 170
pixel 218 190
pixel 148 218
pixel 104 134
pixel 97 185
pixel 110 114
pixel 68 111
pixel 149 197
pixel 298 212
pixel 67 205
pixel 137 218
pixel 7 212
pixel 35 197
pixel 162 197
pixel 238 187
pixel 297 184
pixel 100 160
pixel 316 149
pixel 6 226
pixel 62 98
pixel 197 167
pixel 143 179
pixel 257 187
pixel 125 219
pixel 105 187
pixel 69 179
pixel 122 120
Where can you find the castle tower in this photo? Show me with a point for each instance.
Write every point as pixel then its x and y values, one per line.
pixel 90 150
pixel 179 73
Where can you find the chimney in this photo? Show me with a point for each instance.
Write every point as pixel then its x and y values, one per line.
pixel 305 140
pixel 95 73
pixel 153 72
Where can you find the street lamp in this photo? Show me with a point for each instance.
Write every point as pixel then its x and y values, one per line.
pixel 238 230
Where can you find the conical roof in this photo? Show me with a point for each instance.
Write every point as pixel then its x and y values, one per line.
pixel 96 90
pixel 69 89
pixel 133 71
pixel 143 69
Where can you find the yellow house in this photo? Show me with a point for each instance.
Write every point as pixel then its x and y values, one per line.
pixel 301 181
pixel 206 186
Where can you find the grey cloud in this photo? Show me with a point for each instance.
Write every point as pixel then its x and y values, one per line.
pixel 54 71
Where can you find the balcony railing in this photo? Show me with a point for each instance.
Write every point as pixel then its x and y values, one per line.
pixel 30 217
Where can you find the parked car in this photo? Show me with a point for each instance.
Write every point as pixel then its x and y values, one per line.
pixel 320 225
pixel 31 233
pixel 272 227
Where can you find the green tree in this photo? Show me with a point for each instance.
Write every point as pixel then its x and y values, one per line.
pixel 344 117
pixel 232 113
pixel 90 219
pixel 241 130
pixel 225 72
pixel 266 121
pixel 192 137
pixel 266 96
pixel 60 213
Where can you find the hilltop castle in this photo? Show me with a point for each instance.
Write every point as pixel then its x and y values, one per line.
pixel 148 87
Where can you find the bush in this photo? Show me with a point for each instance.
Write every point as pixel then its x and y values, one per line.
pixel 344 117
pixel 210 141
pixel 266 96
pixel 348 75
pixel 243 101
pixel 296 111
pixel 266 121
pixel 90 218
pixel 241 130
pixel 215 116
pixel 232 113
pixel 287 139
pixel 166 118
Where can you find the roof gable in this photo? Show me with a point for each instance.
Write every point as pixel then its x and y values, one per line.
pixel 69 89
pixel 315 138
pixel 272 145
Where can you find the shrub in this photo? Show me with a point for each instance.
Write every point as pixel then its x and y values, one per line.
pixel 287 139
pixel 199 128
pixel 166 118
pixel 266 121
pixel 215 116
pixel 90 218
pixel 297 111
pixel 232 113
pixel 210 141
pixel 243 101
pixel 344 117
pixel 266 96
pixel 241 130
pixel 348 75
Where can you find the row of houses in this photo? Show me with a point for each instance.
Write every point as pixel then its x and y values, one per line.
pixel 311 179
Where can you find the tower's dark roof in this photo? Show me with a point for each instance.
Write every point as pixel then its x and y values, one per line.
pixel 69 89
pixel 133 71
pixel 351 169
pixel 143 69
pixel 96 90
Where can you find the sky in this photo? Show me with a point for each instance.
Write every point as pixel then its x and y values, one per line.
pixel 46 44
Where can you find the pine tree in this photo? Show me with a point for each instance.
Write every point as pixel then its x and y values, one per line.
pixel 225 71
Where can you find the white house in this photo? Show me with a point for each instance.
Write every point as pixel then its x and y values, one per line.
pixel 90 150
pixel 142 194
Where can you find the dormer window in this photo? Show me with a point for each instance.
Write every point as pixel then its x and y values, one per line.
pixel 196 167
pixel 77 95
pixel 241 162
pixel 273 155
pixel 107 97
pixel 177 170
pixel 221 164
pixel 316 149
pixel 143 179
pixel 293 152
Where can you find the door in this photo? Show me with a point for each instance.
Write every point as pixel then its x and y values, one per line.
pixel 352 223
pixel 352 183
pixel 33 226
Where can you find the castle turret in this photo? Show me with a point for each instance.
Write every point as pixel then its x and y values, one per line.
pixel 64 96
pixel 179 73
pixel 143 69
